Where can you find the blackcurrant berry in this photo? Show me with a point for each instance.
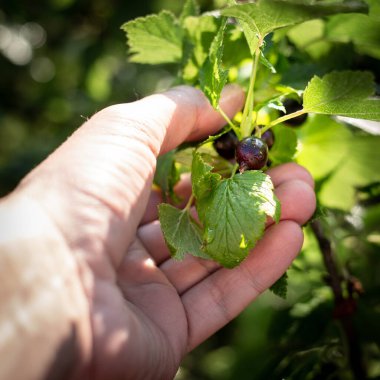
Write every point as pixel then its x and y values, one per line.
pixel 268 138
pixel 292 105
pixel 251 154
pixel 226 144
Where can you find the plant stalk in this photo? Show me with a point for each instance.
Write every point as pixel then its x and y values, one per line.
pixel 246 124
pixel 344 307
pixel 282 119
pixel 229 122
pixel 189 202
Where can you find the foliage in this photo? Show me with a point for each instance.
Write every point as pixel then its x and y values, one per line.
pixel 78 66
pixel 290 49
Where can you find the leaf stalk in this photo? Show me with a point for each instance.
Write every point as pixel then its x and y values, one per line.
pixel 282 119
pixel 189 203
pixel 229 122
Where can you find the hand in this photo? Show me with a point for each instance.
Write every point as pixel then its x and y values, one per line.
pixel 143 311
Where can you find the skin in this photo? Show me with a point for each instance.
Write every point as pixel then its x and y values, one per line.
pixel 88 287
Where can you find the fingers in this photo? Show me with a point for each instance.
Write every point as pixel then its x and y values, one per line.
pixel 297 201
pixel 100 179
pixel 218 299
pixel 289 171
pixel 279 174
pixel 185 274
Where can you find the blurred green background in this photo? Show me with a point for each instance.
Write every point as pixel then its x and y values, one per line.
pixel 62 60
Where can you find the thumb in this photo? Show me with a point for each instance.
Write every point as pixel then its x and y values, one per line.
pixel 168 119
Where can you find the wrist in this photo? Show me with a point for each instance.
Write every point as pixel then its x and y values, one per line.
pixel 44 314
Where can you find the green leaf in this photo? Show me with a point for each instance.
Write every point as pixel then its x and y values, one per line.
pixel 374 9
pixel 190 8
pixel 322 134
pixel 363 31
pixel 358 168
pixel 203 183
pixel 167 175
pixel 344 93
pixel 200 32
pixel 155 39
pixel 235 218
pixel 280 287
pixel 266 63
pixel 182 234
pixel 276 101
pixel 310 37
pixel 285 145
pixel 251 36
pixel 233 211
pixel 212 76
pixel 265 16
pixel 308 32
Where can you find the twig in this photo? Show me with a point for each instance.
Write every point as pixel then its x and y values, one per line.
pixel 344 307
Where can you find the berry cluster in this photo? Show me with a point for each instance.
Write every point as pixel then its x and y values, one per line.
pixel 251 153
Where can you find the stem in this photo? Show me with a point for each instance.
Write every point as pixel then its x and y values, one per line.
pixel 229 122
pixel 189 202
pixel 282 119
pixel 344 307
pixel 328 259
pixel 235 167
pixel 249 102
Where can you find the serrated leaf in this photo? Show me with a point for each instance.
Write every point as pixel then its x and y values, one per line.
pixel 235 219
pixel 276 101
pixel 155 39
pixel 265 16
pixel 280 287
pixel 190 8
pixel 182 234
pixel 251 36
pixel 200 32
pixel 212 76
pixel 233 211
pixel 344 93
pixel 203 183
pixel 285 145
pixel 266 63
pixel 167 175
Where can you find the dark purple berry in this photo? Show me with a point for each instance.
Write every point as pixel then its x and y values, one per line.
pixel 251 154
pixel 268 138
pixel 226 144
pixel 292 105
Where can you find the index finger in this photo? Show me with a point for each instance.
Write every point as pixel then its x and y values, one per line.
pixel 163 121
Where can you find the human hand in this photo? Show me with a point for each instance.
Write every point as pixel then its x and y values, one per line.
pixel 145 310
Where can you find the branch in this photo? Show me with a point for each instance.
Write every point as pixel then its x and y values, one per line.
pixel 344 307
